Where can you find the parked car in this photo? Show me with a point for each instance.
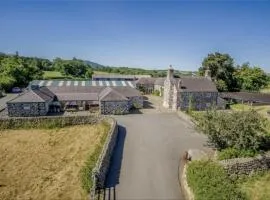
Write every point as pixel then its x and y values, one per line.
pixel 16 90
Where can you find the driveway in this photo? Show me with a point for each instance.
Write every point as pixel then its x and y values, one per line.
pixel 146 159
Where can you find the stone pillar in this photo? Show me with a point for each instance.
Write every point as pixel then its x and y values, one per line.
pixel 168 89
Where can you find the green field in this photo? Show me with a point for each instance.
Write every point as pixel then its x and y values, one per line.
pixel 53 75
pixel 260 109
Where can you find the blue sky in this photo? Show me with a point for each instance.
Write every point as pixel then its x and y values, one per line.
pixel 151 34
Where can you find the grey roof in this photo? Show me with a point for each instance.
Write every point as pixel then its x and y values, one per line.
pixel 121 76
pixel 160 81
pixel 146 81
pixel 42 94
pixel 197 84
pixel 77 96
pixel 85 83
pixel 247 96
pixel 109 94
pixel 128 91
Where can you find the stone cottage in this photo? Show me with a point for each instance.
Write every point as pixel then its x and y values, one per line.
pixel 37 101
pixel 198 93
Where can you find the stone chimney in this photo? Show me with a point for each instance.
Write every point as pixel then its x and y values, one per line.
pixel 207 74
pixel 170 73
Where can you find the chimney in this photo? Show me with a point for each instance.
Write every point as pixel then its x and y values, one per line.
pixel 170 73
pixel 207 74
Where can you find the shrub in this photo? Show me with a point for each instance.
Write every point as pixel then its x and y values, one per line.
pixel 208 180
pixel 235 153
pixel 239 130
pixel 156 93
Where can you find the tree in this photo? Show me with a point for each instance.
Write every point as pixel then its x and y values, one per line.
pixel 244 130
pixel 251 78
pixel 222 70
pixel 89 73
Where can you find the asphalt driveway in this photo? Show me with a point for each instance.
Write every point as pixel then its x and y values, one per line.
pixel 145 163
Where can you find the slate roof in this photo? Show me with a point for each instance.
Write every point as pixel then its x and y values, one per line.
pixel 43 94
pixel 109 94
pixel 247 96
pixel 197 84
pixel 77 96
pixel 160 81
pixel 146 81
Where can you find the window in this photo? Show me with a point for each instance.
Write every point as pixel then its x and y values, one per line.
pixel 26 107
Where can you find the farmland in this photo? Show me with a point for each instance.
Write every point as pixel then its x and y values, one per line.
pixel 46 163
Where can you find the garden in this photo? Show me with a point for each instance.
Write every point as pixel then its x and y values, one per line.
pixel 234 134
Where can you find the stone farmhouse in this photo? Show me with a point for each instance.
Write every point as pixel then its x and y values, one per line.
pixel 47 96
pixel 199 93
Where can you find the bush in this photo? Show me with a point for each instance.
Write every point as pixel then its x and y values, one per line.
pixel 156 93
pixel 245 130
pixel 230 153
pixel 209 181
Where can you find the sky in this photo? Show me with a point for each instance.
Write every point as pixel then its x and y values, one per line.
pixel 146 34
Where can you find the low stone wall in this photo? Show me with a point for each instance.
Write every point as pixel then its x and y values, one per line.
pixel 102 166
pixel 246 166
pixel 47 121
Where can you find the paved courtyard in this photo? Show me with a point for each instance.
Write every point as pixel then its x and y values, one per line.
pixel 146 160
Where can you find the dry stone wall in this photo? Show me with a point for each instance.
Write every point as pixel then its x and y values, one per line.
pixel 246 166
pixel 102 166
pixel 47 121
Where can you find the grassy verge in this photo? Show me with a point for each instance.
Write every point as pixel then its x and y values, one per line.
pixel 48 163
pixel 260 109
pixel 209 181
pixel 257 187
pixel 90 163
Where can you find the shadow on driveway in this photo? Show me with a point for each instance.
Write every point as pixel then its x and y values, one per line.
pixel 115 167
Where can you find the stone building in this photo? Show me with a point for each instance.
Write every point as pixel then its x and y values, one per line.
pixel 34 102
pixel 109 97
pixel 198 93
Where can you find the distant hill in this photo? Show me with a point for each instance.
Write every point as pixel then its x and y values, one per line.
pixel 93 64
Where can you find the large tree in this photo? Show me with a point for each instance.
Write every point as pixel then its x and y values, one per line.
pixel 222 69
pixel 251 78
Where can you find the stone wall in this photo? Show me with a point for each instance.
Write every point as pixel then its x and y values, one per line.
pixel 27 109
pixel 102 166
pixel 114 107
pixel 245 166
pixel 47 121
pixel 136 102
pixel 200 100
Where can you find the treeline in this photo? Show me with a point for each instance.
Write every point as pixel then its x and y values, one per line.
pixel 231 77
pixel 140 71
pixel 16 70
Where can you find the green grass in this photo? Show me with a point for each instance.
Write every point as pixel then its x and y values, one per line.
pixel 208 180
pixel 257 187
pixel 86 171
pixel 244 107
pixel 54 75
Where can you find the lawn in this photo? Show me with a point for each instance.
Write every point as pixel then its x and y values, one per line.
pixel 257 187
pixel 46 163
pixel 260 109
pixel 54 75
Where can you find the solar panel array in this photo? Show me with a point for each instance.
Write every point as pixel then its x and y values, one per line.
pixel 66 83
